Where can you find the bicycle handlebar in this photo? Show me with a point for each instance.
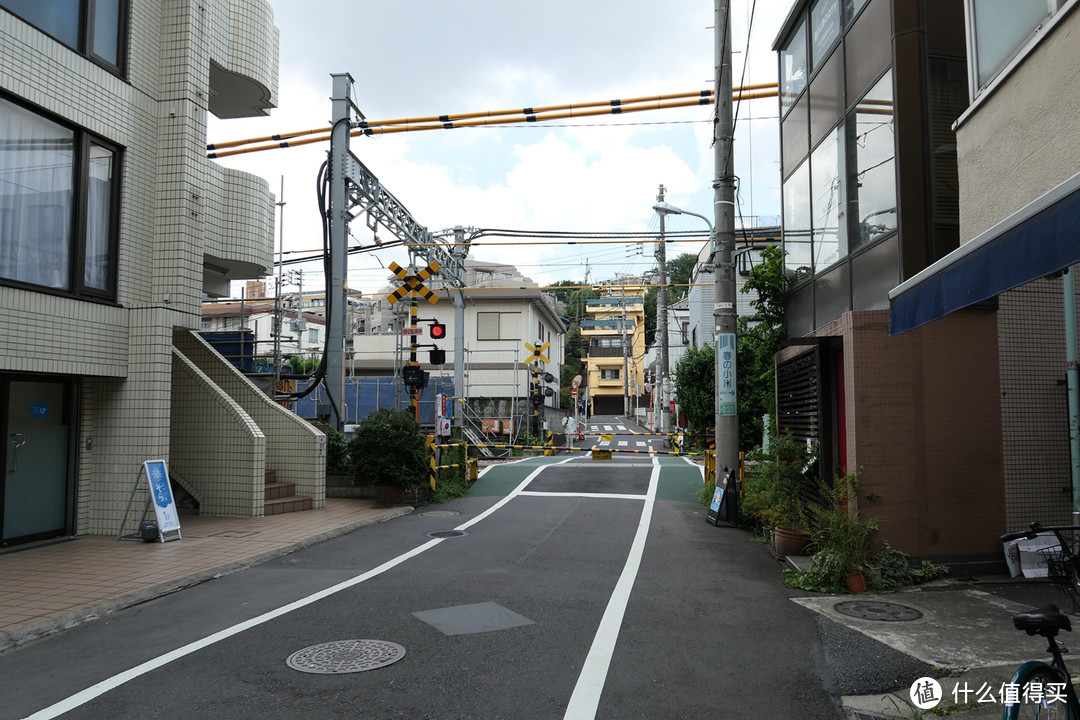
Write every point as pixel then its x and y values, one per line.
pixel 1034 529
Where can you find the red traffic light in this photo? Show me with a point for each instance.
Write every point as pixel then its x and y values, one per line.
pixel 437 331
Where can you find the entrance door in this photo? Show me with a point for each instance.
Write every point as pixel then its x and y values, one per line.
pixel 36 437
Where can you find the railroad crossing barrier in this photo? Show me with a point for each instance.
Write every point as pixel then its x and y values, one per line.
pixel 564 447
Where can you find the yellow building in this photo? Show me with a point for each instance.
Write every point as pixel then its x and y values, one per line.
pixel 613 335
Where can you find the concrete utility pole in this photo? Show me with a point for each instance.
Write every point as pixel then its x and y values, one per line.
pixel 727 417
pixel 339 258
pixel 625 359
pixel 661 316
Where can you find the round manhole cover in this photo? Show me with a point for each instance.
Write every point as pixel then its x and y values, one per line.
pixel 447 534
pixel 440 513
pixel 345 656
pixel 872 610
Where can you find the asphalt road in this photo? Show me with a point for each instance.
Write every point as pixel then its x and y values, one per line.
pixel 578 589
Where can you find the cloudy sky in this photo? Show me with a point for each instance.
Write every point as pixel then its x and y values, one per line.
pixel 417 57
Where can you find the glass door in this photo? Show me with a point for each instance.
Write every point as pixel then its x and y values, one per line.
pixel 35 484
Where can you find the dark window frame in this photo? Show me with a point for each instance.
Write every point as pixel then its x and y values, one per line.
pixel 85 45
pixel 80 207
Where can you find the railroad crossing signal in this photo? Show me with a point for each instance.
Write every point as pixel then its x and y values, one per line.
pixel 538 352
pixel 413 282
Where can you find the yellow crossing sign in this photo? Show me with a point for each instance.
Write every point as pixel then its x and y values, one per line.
pixel 413 282
pixel 538 352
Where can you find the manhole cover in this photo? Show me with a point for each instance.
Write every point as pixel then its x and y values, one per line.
pixel 440 513
pixel 872 610
pixel 345 656
pixel 447 534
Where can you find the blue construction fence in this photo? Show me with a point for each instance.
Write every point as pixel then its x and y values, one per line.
pixel 365 395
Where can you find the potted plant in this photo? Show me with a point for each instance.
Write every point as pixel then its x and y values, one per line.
pixel 844 539
pixel 389 452
pixel 775 479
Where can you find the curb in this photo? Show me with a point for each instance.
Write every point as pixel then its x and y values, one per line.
pixel 66 620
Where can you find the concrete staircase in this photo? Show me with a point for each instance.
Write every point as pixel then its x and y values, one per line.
pixel 281 497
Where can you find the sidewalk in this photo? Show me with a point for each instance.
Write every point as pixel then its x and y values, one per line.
pixel 49 588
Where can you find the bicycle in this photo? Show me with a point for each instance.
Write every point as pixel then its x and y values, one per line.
pixel 1044 690
pixel 1062 559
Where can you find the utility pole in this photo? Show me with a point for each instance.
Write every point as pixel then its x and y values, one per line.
pixel 727 417
pixel 625 359
pixel 661 315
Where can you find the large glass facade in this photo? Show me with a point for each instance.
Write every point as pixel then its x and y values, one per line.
pixel 871 137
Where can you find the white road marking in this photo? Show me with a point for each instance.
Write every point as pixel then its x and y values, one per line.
pixel 81 698
pixel 622 443
pixel 642 443
pixel 586 697
pixel 607 496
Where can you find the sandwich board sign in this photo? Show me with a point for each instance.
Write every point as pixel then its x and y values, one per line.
pixel 157 477
pixel 161 497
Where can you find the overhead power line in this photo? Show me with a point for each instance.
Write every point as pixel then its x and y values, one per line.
pixel 487 118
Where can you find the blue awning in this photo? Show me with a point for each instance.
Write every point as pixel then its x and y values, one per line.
pixel 1038 240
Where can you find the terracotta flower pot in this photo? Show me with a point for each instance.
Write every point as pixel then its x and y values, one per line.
pixel 790 542
pixel 855 582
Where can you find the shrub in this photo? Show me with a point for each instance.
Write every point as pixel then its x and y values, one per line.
pixel 388 449
pixel 774 482
pixel 337 453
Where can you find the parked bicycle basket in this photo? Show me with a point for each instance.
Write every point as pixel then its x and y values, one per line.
pixel 1062 563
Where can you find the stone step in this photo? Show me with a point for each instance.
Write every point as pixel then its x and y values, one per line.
pixel 275 490
pixel 270 477
pixel 293 503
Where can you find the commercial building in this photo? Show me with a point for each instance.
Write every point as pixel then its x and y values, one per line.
pixel 113 227
pixel 1018 163
pixel 869 92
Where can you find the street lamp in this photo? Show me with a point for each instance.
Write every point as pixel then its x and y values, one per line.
pixel 663 209
pixel 726 427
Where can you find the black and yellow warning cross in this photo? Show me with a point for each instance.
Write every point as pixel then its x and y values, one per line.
pixel 538 352
pixel 413 283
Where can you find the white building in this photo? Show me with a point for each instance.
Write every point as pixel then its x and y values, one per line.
pixel 113 226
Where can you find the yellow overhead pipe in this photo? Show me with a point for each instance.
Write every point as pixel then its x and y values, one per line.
pixel 443 122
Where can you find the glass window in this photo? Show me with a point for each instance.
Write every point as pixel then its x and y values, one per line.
pixel 797 256
pixel 58 205
pixel 99 217
pixel 796 135
pixel 851 9
pixel 497 325
pixel 37 175
pixel 825 29
pixel 871 136
pixel 100 35
pixel 610 373
pixel 106 38
pixel 827 201
pixel 793 68
pixel 1000 28
pixel 827 98
pixel 868 48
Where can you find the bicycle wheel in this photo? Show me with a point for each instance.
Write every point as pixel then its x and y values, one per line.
pixel 1035 697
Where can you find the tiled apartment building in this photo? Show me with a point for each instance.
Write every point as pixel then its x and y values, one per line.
pixel 113 225
pixel 614 333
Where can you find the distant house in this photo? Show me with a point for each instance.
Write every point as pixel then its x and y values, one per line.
pixel 614 336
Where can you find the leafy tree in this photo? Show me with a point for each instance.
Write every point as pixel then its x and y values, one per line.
pixel 758 342
pixel 679 270
pixel 695 386
pixel 650 315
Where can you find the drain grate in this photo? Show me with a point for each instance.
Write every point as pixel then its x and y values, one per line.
pixel 345 656
pixel 873 610
pixel 447 534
